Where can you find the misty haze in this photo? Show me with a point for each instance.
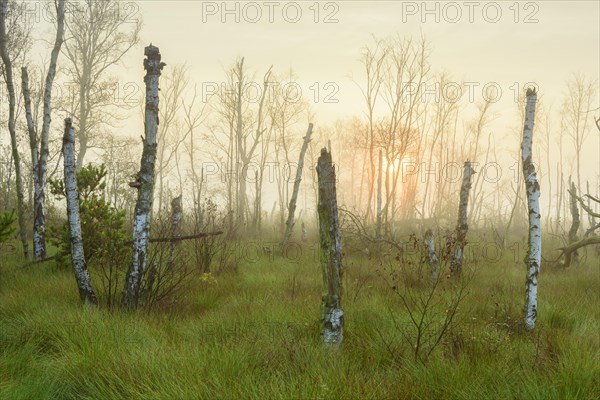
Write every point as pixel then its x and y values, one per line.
pixel 299 200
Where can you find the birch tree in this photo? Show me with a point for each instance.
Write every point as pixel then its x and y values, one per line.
pixel 395 69
pixel 40 151
pixel 575 220
pixel 476 130
pixel 285 109
pixel 238 132
pixel 169 135
pixel 462 227
pixel 402 93
pixel 534 250
pixel 100 34
pixel 193 119
pixel 8 38
pixel 373 60
pixel 292 207
pixel 433 260
pixel 569 251
pixel 332 315
pixel 245 148
pixel 379 173
pixel 439 143
pixel 176 217
pixel 145 180
pixel 82 276
pixel 577 109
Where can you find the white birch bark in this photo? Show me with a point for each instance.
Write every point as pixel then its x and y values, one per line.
pixel 332 315
pixel 534 251
pixel 292 207
pixel 145 182
pixel 39 156
pixel 462 227
pixel 39 242
pixel 82 276
pixel 433 260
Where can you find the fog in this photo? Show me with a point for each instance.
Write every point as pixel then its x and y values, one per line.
pixel 486 51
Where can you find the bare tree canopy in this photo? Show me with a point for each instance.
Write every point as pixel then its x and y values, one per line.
pixel 98 38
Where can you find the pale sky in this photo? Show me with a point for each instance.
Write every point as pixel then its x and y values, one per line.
pixel 543 42
pixel 504 43
pixel 565 39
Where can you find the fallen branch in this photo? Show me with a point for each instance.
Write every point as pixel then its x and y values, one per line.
pixel 579 244
pixel 178 238
pixel 130 242
pixel 567 251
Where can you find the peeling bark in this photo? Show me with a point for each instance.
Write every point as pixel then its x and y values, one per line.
pixel 433 260
pixel 292 207
pixel 534 251
pixel 82 276
pixel 332 315
pixel 39 242
pixel 463 227
pixel 39 155
pixel 143 207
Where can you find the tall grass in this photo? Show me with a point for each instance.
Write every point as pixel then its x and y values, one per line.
pixel 255 334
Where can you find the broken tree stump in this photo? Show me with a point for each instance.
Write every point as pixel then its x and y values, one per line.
pixel 332 315
pixel 145 181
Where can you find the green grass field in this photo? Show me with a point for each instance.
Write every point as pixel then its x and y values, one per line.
pixel 255 334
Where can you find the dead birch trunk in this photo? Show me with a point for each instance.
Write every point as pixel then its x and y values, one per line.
pixel 462 227
pixel 332 314
pixel 433 260
pixel 145 180
pixel 8 76
pixel 575 222
pixel 292 207
pixel 176 217
pixel 560 196
pixel 82 276
pixel 304 232
pixel 379 173
pixel 534 251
